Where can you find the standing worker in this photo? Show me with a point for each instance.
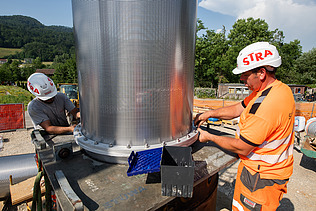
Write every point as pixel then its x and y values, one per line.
pixel 264 137
pixel 47 110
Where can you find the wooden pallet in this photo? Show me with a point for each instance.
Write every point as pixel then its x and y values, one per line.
pixel 23 191
pixel 230 122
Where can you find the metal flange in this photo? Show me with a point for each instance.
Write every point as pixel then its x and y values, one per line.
pixel 119 154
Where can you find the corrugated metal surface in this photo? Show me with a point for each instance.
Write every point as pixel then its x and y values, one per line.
pixel 135 61
pixel 21 167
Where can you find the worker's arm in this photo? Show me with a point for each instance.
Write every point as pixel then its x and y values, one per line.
pixel 46 125
pixel 232 144
pixel 228 112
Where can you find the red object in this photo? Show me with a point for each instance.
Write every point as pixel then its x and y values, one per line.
pixel 12 116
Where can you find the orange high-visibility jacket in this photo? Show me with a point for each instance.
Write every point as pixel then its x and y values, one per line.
pixel 267 123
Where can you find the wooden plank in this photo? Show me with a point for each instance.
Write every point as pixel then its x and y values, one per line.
pixel 23 191
pixel 230 122
pixel 1 205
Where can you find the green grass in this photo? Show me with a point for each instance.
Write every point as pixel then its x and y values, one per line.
pixel 8 51
pixel 47 63
pixel 13 94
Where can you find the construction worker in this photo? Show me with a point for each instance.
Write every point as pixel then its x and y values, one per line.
pixel 47 110
pixel 264 137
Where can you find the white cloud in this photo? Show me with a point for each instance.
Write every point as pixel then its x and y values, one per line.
pixel 218 30
pixel 296 18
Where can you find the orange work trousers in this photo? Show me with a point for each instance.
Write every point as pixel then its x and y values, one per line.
pixel 253 193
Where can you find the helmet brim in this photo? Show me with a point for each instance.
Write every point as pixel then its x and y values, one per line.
pixel 48 96
pixel 237 71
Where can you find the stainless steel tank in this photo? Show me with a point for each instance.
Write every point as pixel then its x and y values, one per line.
pixel 135 61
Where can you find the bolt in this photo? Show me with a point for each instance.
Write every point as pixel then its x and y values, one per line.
pixel 146 145
pixel 110 145
pixel 178 140
pixel 128 146
pixel 96 143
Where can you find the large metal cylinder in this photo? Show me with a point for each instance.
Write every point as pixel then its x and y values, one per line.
pixel 135 61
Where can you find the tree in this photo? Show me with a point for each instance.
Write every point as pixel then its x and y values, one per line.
pixel 26 72
pixel 305 66
pixel 289 52
pixel 210 50
pixel 66 72
pixel 15 71
pixel 5 73
pixel 243 33
pixel 37 63
pixel 61 58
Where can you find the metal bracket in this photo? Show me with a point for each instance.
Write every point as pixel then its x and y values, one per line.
pixel 68 191
pixel 40 142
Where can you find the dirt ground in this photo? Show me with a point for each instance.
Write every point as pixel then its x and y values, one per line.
pixel 301 187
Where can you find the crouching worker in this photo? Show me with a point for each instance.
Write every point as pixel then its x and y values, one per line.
pixel 48 109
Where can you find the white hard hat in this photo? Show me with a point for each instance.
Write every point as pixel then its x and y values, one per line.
pixel 41 86
pixel 256 55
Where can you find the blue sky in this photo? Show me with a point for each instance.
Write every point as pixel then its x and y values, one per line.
pixel 296 18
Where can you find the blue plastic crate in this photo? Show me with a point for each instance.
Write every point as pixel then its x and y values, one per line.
pixel 142 162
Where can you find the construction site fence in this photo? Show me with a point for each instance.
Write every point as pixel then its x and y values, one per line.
pixel 306 109
pixel 12 116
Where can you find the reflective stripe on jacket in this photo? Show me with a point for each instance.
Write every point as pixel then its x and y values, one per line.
pixel 267 123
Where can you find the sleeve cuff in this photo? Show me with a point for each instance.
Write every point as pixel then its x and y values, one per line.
pixel 247 141
pixel 243 104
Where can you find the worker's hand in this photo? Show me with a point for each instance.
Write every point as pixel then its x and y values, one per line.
pixel 203 136
pixel 200 119
pixel 78 115
pixel 72 127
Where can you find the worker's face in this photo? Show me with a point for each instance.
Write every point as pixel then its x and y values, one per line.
pixel 49 101
pixel 251 80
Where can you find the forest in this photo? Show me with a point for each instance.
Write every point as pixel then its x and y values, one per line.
pixel 215 56
pixel 35 39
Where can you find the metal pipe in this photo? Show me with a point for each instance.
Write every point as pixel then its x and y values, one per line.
pixel 21 167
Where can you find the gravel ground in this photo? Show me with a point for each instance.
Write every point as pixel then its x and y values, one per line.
pixel 301 193
pixel 301 187
pixel 17 142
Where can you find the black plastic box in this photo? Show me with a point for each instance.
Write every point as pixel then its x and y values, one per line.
pixel 177 171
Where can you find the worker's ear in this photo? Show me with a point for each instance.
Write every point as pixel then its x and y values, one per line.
pixel 262 73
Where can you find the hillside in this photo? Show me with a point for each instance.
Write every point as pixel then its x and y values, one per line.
pixel 34 38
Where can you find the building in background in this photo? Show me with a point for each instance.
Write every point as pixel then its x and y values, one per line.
pixel 232 91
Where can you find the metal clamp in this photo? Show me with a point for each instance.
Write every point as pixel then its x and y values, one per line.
pixel 39 141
